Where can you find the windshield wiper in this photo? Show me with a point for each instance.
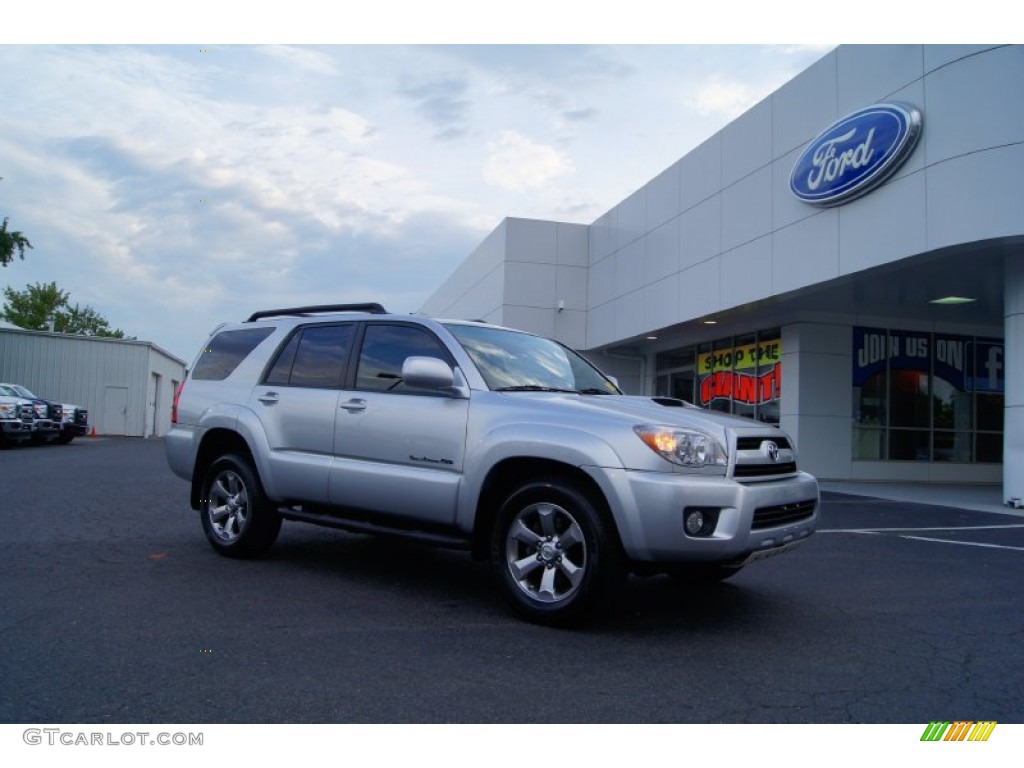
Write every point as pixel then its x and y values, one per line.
pixel 534 388
pixel 594 391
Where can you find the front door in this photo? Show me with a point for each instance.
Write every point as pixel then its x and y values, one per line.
pixel 398 451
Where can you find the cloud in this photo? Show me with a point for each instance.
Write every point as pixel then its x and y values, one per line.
pixel 440 100
pixel 579 115
pixel 519 164
pixel 301 58
pixel 723 97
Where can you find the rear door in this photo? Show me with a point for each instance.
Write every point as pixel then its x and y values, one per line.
pixel 297 402
pixel 399 451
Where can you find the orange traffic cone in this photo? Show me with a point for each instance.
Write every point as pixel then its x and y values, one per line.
pixel 92 433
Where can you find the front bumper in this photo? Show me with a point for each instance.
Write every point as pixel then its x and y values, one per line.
pixel 45 428
pixel 15 428
pixel 754 519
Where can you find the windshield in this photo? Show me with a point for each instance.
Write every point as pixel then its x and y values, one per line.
pixel 511 361
pixel 14 390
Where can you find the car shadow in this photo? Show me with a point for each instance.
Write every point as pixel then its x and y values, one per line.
pixel 450 578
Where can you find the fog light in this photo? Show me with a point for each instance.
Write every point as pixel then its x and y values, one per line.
pixel 700 522
pixel 694 522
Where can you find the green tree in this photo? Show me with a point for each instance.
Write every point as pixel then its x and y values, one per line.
pixel 34 307
pixel 10 242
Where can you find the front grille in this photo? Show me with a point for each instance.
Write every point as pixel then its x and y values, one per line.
pixel 764 470
pixel 81 417
pixel 754 458
pixel 782 514
pixel 754 443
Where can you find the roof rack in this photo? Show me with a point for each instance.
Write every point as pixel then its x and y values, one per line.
pixel 372 308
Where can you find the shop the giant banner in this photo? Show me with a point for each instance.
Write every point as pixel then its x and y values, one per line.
pixel 747 373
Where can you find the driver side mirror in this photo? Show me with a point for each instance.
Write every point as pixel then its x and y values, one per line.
pixel 432 374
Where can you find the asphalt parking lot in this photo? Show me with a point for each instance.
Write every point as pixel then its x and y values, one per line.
pixel 115 610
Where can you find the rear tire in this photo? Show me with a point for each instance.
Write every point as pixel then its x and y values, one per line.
pixel 238 519
pixel 556 559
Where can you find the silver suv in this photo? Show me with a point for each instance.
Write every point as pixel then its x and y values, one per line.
pixel 470 435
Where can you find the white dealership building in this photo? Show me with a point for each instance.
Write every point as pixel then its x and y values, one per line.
pixel 845 259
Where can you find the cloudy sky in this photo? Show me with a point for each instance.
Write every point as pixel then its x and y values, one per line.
pixel 175 186
pixel 179 183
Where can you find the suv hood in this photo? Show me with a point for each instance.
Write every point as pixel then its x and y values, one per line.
pixel 633 410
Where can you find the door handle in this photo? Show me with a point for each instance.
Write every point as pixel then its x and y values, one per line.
pixel 354 406
pixel 268 397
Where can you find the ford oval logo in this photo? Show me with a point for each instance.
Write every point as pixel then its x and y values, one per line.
pixel 856 154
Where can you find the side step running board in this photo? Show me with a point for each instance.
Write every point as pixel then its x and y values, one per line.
pixel 445 540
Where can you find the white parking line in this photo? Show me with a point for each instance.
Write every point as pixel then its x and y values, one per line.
pixel 945 528
pixel 964 543
pixel 879 531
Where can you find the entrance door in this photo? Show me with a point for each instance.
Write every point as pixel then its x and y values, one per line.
pixel 115 411
pixel 154 407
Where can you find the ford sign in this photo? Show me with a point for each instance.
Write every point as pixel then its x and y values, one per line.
pixel 856 154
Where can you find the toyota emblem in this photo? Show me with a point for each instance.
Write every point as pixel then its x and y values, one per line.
pixel 772 450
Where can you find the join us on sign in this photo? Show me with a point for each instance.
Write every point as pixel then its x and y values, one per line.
pixel 876 347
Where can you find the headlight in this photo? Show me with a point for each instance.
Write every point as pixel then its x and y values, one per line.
pixel 8 410
pixel 686 447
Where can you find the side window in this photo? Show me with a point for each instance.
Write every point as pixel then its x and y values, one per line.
pixel 314 357
pixel 281 372
pixel 385 348
pixel 226 351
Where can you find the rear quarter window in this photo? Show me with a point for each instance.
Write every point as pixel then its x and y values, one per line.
pixel 226 351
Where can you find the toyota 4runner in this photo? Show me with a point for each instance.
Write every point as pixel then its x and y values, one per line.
pixel 470 435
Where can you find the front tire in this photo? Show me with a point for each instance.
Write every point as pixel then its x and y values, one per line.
pixel 556 559
pixel 238 519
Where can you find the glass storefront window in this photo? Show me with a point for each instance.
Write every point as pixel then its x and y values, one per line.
pixel 953 446
pixel 919 396
pixel 951 408
pixel 990 447
pixel 908 396
pixel 990 412
pixel 909 444
pixel 736 374
pixel 744 363
pixel 868 443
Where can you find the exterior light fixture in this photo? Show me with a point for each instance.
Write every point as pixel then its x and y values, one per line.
pixel 952 300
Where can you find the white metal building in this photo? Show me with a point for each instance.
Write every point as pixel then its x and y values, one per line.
pixel 883 330
pixel 127 386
